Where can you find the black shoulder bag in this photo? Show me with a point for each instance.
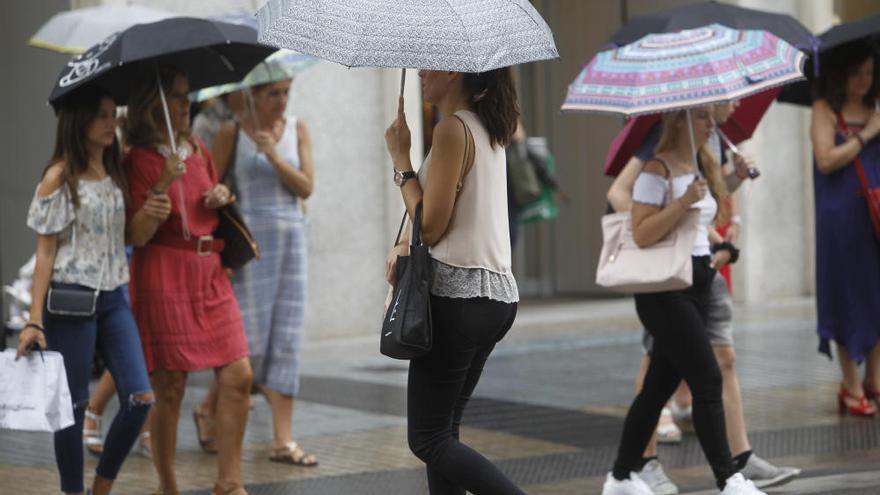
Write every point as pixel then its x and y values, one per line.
pixel 240 246
pixel 406 329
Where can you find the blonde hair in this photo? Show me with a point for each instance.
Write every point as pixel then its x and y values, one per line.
pixel 709 166
pixel 145 124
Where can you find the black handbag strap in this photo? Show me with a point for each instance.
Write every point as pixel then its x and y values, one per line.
pixel 400 230
pixel 417 223
pixel 416 237
pixel 229 175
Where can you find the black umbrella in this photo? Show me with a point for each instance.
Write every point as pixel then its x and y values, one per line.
pixel 865 30
pixel 211 52
pixel 702 14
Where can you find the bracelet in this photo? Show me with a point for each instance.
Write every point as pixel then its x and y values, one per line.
pixel 157 193
pixel 35 325
pixel 726 246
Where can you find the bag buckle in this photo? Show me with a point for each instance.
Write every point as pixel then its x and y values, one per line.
pixel 200 245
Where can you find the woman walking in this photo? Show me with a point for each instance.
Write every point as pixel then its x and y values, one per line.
pixel 269 160
pixel 845 124
pixel 180 293
pixel 677 319
pixel 462 187
pixel 78 212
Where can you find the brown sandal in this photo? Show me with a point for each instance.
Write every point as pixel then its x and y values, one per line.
pixel 236 490
pixel 288 455
pixel 204 423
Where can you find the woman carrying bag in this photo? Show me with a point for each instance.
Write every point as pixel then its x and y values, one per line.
pixel 78 212
pixel 676 319
pixel 268 159
pixel 844 127
pixel 180 292
pixel 462 187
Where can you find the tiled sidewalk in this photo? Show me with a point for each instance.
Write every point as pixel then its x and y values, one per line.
pixel 548 410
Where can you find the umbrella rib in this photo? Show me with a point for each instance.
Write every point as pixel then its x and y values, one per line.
pixel 463 28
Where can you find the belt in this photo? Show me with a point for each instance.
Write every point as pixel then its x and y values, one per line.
pixel 203 245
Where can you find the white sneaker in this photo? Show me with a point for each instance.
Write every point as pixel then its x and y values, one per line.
pixel 682 416
pixel 654 476
pixel 633 486
pixel 763 474
pixel 738 485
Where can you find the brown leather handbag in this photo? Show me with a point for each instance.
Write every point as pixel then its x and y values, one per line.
pixel 240 245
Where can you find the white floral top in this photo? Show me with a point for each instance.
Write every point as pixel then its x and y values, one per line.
pixel 91 238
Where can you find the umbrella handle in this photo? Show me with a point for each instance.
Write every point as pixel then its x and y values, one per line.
pixel 402 81
pixel 690 124
pixel 252 107
pixel 727 141
pixel 173 142
pixel 171 139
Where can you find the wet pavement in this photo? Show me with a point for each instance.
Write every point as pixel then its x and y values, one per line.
pixel 548 409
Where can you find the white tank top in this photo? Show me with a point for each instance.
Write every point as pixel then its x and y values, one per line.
pixel 478 235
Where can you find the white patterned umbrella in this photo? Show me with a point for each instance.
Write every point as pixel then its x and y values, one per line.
pixel 453 35
pixel 74 31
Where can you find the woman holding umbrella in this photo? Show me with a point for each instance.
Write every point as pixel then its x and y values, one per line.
pixel 181 296
pixel 474 294
pixel 844 128
pixel 676 319
pixel 268 157
pixel 78 212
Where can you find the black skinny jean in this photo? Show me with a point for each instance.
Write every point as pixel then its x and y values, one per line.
pixel 682 350
pixel 440 384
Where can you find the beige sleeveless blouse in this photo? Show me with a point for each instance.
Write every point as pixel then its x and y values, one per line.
pixel 473 258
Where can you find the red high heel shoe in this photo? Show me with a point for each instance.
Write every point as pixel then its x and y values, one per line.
pixel 864 408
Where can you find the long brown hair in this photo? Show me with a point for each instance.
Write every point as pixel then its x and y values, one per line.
pixel 836 68
pixel 493 96
pixel 706 161
pixel 71 151
pixel 145 125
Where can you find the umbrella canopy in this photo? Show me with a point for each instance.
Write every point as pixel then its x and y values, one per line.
pixel 865 30
pixel 739 127
pixel 454 35
pixel 702 14
pixel 74 31
pixel 690 68
pixel 281 65
pixel 211 52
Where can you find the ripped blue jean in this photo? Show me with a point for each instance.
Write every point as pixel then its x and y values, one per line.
pixel 114 334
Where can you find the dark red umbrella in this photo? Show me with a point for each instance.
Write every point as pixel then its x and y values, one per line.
pixel 739 127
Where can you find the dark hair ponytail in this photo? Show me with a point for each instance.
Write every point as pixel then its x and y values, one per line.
pixel 493 96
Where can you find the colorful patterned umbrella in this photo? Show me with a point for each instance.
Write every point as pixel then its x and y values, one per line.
pixel 739 127
pixel 690 68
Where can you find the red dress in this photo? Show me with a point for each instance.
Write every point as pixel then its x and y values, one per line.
pixel 183 303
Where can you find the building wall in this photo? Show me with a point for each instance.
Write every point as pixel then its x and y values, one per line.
pixel 28 125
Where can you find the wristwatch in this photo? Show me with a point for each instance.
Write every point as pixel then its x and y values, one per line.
pixel 400 177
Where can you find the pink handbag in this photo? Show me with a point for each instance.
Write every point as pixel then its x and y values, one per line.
pixel 663 266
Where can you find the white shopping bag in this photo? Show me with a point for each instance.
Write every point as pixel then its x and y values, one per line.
pixel 33 392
